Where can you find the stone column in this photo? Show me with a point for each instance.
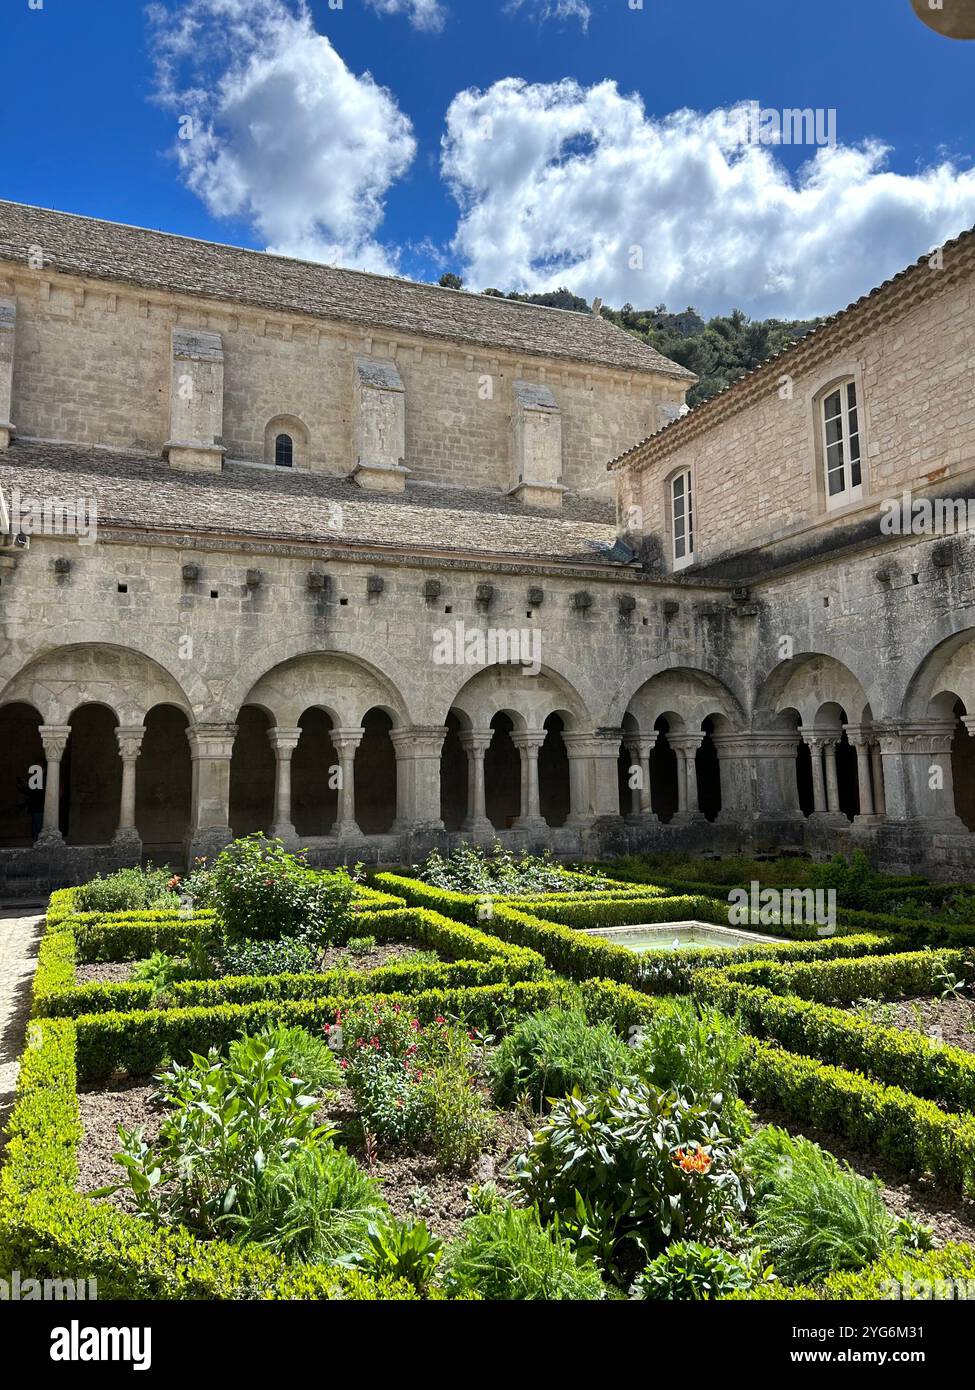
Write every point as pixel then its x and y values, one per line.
pixel 815 744
pixel 877 768
pixel 639 750
pixel 686 746
pixel 529 742
pixel 284 742
pixel 475 743
pixel 579 749
pixel 606 756
pixel 129 745
pixel 860 742
pixel 418 751
pixel 758 775
pixel 54 738
pixel 211 747
pixel 832 780
pixel 345 742
pixel 917 774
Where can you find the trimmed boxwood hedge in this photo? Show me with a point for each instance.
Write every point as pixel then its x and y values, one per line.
pixel 914 1134
pixel 946 1275
pixel 474 958
pixel 841 981
pixel 895 1056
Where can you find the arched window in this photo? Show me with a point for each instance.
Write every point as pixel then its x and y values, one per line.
pixel 841 437
pixel 284 450
pixel 682 518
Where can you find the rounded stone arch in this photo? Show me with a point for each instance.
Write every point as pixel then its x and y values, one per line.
pixel 949 667
pixel 345 688
pixel 366 656
pixel 123 679
pixel 730 699
pixel 526 700
pixel 685 696
pixel 187 685
pixel 806 683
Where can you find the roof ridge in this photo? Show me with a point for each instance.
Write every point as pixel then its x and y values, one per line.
pixel 681 424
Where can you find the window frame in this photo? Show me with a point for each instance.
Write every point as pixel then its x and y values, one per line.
pixel 688 518
pixel 849 442
pixel 290 449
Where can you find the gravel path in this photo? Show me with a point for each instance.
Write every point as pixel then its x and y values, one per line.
pixel 19 938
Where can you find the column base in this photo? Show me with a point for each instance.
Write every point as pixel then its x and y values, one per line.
pixel 128 839
pixel 530 823
pixel 687 818
pixel 284 831
pixel 829 818
pixel 348 834
pixel 477 825
pixel 49 839
pixel 867 822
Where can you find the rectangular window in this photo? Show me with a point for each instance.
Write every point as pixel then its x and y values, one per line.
pixel 841 445
pixel 682 518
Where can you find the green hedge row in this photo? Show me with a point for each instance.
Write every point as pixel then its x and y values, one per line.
pixel 944 1275
pixel 48 1230
pixel 473 958
pixel 895 1056
pixel 841 981
pixel 913 1134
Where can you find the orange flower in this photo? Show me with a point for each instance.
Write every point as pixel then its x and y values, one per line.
pixel 693 1160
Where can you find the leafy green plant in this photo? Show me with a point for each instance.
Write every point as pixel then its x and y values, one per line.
pixel 301 1054
pixel 227 1121
pixel 401 1249
pixel 695 1050
pixel 160 971
pixel 314 1204
pixel 135 888
pixel 549 1053
pixel 472 869
pixel 813 1215
pixel 856 884
pixel 261 891
pixel 630 1169
pixel 688 1271
pixel 458 1122
pixel 361 945
pixel 288 956
pixel 507 1254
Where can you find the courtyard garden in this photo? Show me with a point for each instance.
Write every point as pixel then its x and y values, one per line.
pixel 458 1081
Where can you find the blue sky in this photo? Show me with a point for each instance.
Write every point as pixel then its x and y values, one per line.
pixel 319 131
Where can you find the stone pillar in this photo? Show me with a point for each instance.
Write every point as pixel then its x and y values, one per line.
pixel 579 749
pixel 54 738
pixel 606 756
pixel 345 742
pixel 860 742
pixel 129 745
pixel 639 750
pixel 686 746
pixel 418 751
pixel 211 747
pixel 196 402
pixel 758 775
pixel 832 780
pixel 529 742
pixel 877 768
pixel 816 744
pixel 917 774
pixel 475 743
pixel 284 742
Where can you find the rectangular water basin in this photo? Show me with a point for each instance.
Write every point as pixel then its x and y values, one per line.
pixel 677 935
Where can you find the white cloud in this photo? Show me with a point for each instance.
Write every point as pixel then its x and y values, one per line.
pixel 423 14
pixel 554 9
pixel 558 183
pixel 283 133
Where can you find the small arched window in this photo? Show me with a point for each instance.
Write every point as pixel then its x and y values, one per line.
pixel 284 451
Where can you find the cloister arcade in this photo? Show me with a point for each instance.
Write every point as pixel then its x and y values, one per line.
pixel 101 746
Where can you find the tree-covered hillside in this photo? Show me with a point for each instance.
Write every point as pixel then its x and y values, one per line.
pixel 718 351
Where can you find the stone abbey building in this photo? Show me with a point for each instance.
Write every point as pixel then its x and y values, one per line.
pixel 343 558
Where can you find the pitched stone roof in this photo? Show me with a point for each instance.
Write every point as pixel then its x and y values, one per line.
pixel 278 505
pixel 884 304
pixel 161 261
